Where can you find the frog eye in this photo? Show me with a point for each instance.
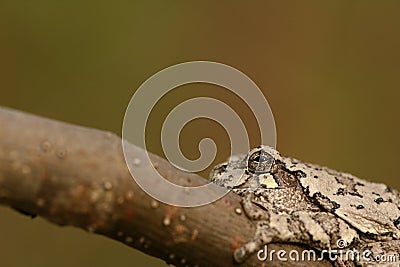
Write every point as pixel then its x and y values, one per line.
pixel 259 162
pixel 253 161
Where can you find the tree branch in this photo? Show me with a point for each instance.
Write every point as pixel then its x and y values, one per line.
pixel 73 175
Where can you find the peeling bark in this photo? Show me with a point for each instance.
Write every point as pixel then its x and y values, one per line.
pixel 73 175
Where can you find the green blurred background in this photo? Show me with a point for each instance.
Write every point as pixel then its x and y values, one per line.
pixel 330 71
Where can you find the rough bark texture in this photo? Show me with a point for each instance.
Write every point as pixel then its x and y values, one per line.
pixel 73 175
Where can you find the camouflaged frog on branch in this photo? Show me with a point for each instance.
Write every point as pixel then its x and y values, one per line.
pixel 295 202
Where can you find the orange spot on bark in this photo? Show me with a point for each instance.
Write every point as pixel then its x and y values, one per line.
pixel 228 204
pixel 237 242
pixel 180 229
pixel 171 211
pixel 44 175
pixel 195 235
pixel 129 213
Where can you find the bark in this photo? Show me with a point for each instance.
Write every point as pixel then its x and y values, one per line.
pixel 73 175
